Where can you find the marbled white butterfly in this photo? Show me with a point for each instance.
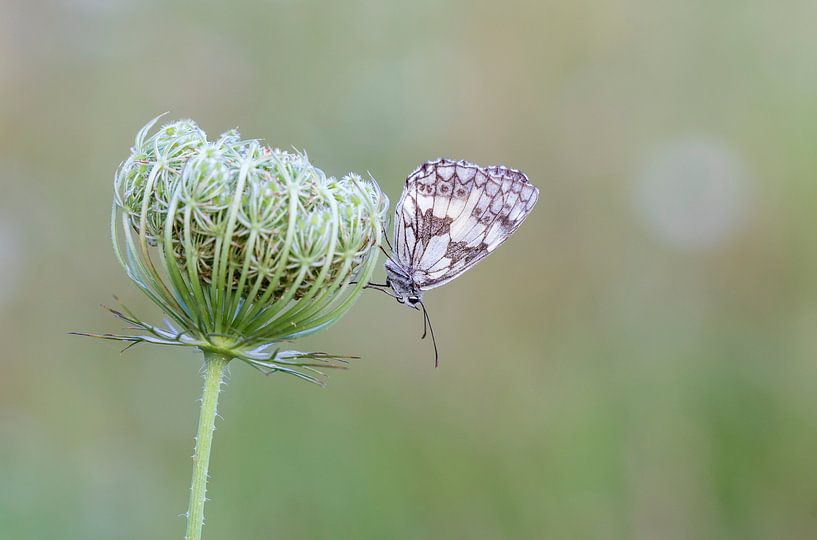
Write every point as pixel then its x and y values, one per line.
pixel 451 215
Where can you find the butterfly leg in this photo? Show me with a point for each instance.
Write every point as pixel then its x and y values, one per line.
pixel 377 288
pixel 386 238
pixel 370 285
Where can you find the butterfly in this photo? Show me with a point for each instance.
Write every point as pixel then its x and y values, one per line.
pixel 451 215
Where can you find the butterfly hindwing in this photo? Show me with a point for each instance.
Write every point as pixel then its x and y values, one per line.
pixel 453 214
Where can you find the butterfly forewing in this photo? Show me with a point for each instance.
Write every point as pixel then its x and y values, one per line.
pixel 453 214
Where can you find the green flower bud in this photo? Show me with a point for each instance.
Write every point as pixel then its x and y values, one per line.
pixel 242 245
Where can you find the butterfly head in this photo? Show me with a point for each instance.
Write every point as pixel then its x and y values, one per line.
pixel 405 290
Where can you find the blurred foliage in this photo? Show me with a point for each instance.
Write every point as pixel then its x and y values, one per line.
pixel 600 378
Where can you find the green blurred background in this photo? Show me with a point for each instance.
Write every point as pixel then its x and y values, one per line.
pixel 637 362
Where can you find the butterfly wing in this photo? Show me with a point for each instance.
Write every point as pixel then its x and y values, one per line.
pixel 452 214
pixel 415 224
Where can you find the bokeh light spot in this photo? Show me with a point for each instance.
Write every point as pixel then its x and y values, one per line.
pixel 692 193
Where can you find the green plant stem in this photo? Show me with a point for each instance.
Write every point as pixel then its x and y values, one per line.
pixel 214 367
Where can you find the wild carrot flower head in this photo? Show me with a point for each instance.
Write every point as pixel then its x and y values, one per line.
pixel 240 244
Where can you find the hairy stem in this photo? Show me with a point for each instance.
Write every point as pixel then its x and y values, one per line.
pixel 214 367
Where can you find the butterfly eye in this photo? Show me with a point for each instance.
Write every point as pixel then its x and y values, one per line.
pixel 413 300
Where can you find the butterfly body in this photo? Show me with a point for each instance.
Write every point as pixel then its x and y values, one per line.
pixel 451 215
pixel 403 285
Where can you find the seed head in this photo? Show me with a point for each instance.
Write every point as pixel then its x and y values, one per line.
pixel 242 245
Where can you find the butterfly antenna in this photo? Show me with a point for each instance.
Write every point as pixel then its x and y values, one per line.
pixel 427 321
pixel 425 325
